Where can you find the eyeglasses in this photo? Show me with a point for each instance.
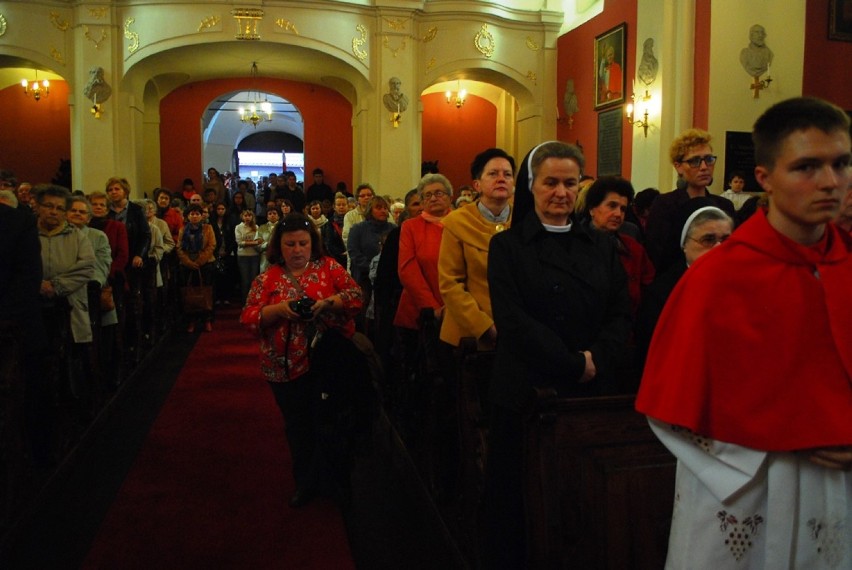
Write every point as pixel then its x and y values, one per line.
pixel 695 161
pixel 4 184
pixel 710 240
pixel 435 194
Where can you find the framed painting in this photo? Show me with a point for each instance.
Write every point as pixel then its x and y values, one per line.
pixel 840 20
pixel 610 64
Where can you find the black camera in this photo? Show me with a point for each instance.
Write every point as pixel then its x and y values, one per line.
pixel 302 307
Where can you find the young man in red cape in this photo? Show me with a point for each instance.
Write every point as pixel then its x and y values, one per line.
pixel 749 376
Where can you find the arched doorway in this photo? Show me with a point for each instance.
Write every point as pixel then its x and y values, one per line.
pixel 252 150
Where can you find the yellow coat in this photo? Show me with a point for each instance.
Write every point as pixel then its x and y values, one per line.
pixel 462 273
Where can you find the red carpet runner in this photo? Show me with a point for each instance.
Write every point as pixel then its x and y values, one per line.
pixel 209 487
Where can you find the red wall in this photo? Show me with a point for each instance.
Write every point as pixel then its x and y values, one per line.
pixel 576 60
pixel 454 136
pixel 827 72
pixel 35 135
pixel 701 69
pixel 326 113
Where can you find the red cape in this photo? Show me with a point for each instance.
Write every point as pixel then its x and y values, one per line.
pixel 754 346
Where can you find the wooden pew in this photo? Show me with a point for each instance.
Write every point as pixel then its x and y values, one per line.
pixel 474 374
pixel 599 485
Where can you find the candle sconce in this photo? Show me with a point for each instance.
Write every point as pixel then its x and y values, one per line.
pixel 396 117
pixel 631 109
pixel 759 85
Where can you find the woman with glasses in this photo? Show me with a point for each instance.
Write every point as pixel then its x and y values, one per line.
pixel 705 227
pixel 693 159
pixel 303 291
pixel 419 245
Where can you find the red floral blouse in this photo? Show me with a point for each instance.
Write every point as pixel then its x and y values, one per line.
pixel 284 346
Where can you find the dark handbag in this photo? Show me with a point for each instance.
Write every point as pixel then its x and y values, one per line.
pixel 196 298
pixel 107 301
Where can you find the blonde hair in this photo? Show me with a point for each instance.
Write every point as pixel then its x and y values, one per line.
pixel 686 141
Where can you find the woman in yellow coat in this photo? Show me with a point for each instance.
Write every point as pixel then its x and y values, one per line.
pixel 463 258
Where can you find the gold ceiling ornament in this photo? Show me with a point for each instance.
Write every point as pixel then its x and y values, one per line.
pixel 98 13
pixel 57 55
pixel 209 22
pixel 58 22
pixel 89 37
pixel 394 51
pixel 247 19
pixel 358 43
pixel 532 77
pixel 430 35
pixel 483 41
pixel 2 24
pixel 397 23
pixel 286 25
pixel 431 64
pixel 130 35
pixel 531 44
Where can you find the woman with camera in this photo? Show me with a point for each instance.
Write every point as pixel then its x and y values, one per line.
pixel 302 292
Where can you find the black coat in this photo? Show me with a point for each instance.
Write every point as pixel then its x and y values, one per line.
pixel 553 296
pixel 138 231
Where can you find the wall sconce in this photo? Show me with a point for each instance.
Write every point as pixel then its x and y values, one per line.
pixel 563 120
pixel 759 85
pixel 456 97
pixel 630 110
pixel 37 89
pixel 396 117
pixel 97 108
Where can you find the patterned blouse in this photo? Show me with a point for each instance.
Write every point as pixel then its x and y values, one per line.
pixel 285 345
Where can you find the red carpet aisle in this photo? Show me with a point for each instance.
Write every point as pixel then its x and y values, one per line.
pixel 210 485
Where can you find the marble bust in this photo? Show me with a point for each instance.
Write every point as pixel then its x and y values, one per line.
pixel 395 100
pixel 756 57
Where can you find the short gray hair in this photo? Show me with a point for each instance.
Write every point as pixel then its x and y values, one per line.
pixel 433 178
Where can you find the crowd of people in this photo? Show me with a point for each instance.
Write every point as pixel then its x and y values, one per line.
pixel 577 284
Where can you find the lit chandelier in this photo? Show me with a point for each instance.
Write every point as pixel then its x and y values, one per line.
pixel 38 89
pixel 250 114
pixel 457 97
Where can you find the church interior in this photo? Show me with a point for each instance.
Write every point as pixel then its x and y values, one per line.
pixel 181 465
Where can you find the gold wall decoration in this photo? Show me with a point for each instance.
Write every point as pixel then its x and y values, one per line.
pixel 286 25
pixel 132 36
pixel 431 64
pixel 396 24
pixel 358 43
pixel 531 44
pixel 430 35
pixel 57 55
pixel 58 22
pixel 89 37
pixel 98 13
pixel 247 19
pixel 209 22
pixel 532 77
pixel 483 41
pixel 2 24
pixel 394 51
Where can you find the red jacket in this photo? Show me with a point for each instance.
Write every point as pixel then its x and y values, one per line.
pixel 754 346
pixel 419 244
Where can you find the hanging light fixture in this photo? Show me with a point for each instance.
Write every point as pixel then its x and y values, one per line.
pixel 252 114
pixel 38 89
pixel 456 97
